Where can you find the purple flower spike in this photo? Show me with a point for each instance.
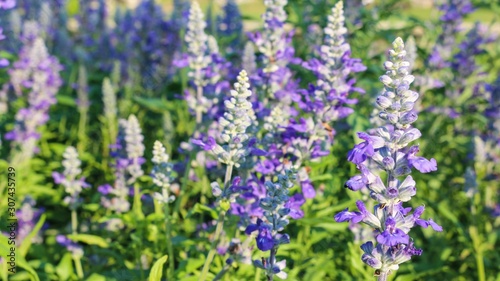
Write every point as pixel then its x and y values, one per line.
pixel 385 150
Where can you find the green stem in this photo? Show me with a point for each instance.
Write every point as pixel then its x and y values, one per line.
pixel 218 229
pixel 76 259
pixel 171 266
pixel 480 265
pixel 137 202
pixel 178 200
pixel 82 137
pixel 139 262
pixel 270 275
pixel 257 274
pixel 74 222
pixel 215 242
pixel 383 276
pixel 222 272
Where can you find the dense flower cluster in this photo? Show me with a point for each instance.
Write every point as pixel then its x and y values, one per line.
pixel 386 150
pixel 454 11
pixel 162 173
pixel 333 70
pixel 27 217
pixel 230 27
pixel 128 153
pixel 37 73
pixel 72 185
pixel 206 66
pixel 277 209
pixel 233 124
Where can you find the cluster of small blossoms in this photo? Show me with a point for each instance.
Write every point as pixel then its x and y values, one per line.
pixel 487 142
pixel 150 41
pixel 37 73
pixel 128 153
pixel 277 210
pixel 233 124
pixel 162 173
pixel 180 15
pixel 27 217
pixel 310 138
pixel 386 149
pixel 72 185
pixel 272 42
pixel 200 50
pixel 454 11
pixel 230 27
pixel 274 79
pixel 198 58
pixel 333 70
pixel 464 63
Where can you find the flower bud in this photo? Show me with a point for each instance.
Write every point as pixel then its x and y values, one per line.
pixel 383 102
pixel 407 106
pixel 388 163
pixel 386 80
pixel 409 118
pixel 409 136
pixel 284 211
pixel 283 239
pixel 402 171
pixel 396 106
pixel 410 96
pixel 216 190
pixel 266 203
pixel 392 118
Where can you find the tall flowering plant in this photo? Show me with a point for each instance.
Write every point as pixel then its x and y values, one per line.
pixel 205 66
pixel 385 150
pixel 73 187
pixel 453 13
pixel 277 211
pixel 37 73
pixel 128 153
pixel 333 70
pixel 236 145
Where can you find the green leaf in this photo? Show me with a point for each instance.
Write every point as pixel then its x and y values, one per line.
pixel 92 207
pixel 20 261
pixel 65 100
pixel 157 270
pixel 25 246
pixel 200 208
pixel 65 267
pixel 153 104
pixel 96 277
pixel 89 239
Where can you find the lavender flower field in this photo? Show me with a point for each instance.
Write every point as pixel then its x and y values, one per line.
pixel 240 140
